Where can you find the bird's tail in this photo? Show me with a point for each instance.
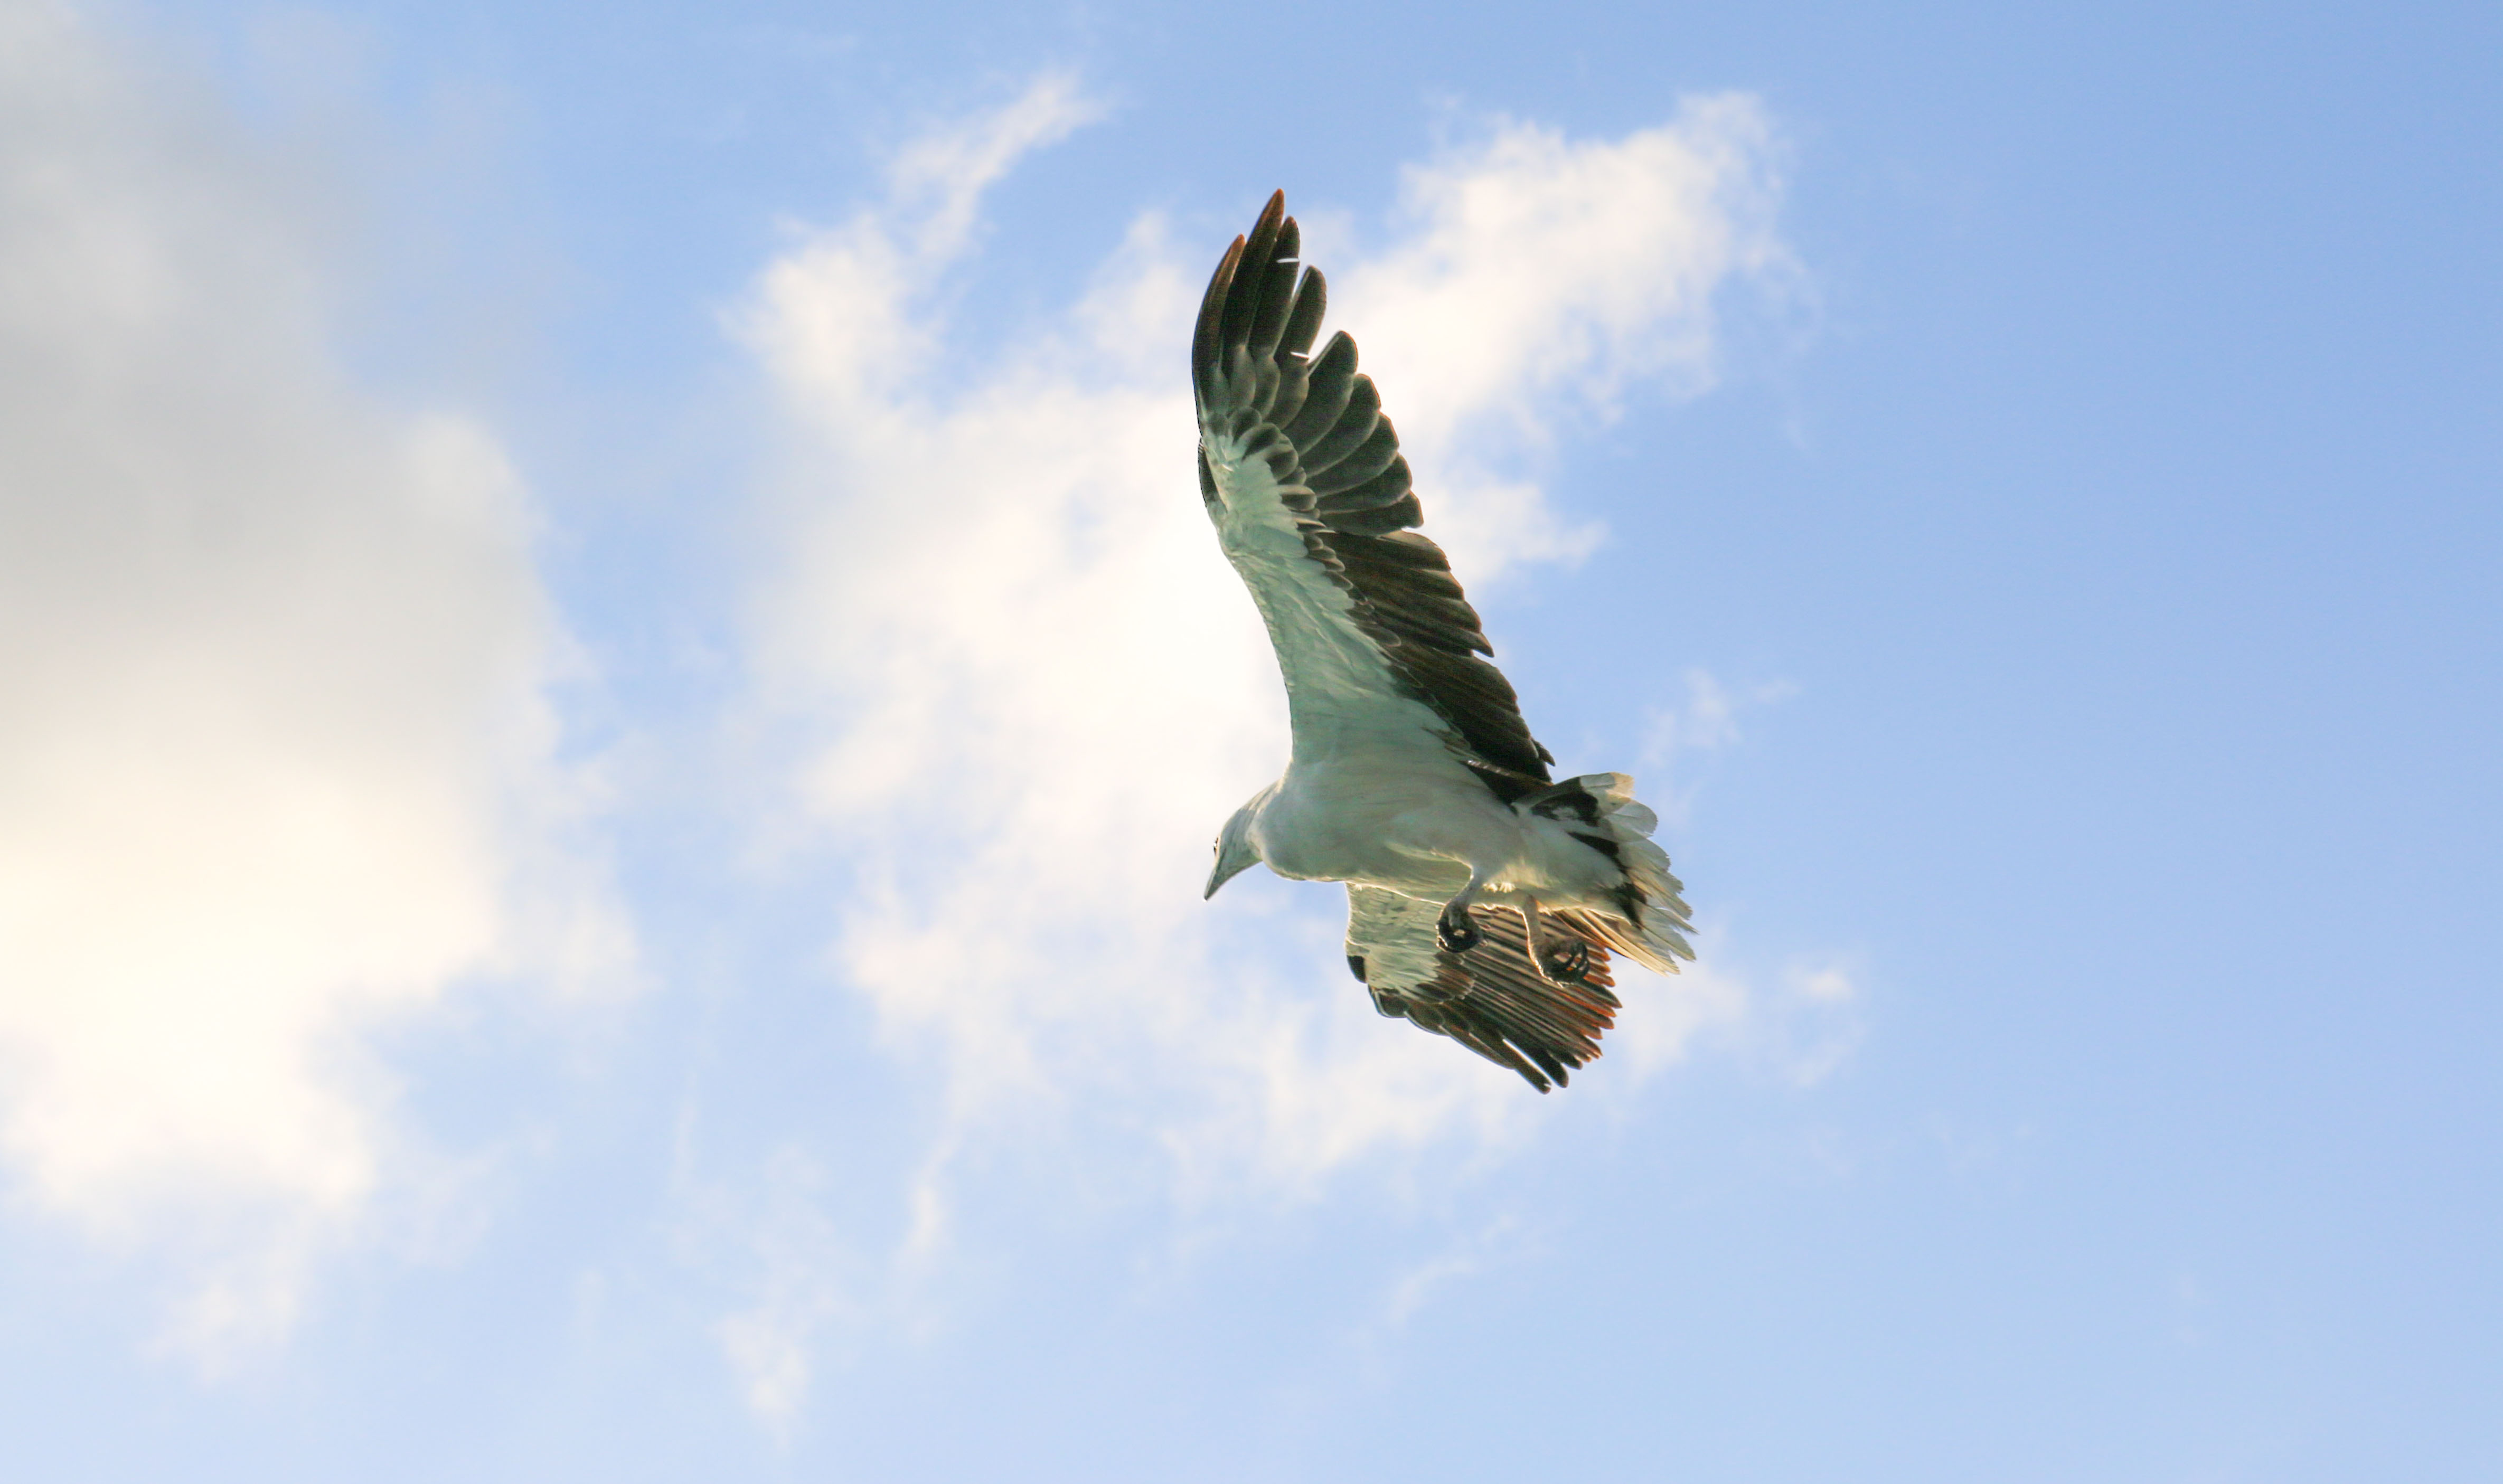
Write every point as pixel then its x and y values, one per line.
pixel 1647 921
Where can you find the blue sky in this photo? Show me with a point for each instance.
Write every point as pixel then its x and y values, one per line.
pixel 614 692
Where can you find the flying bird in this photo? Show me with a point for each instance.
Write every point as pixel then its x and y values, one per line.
pixel 1484 898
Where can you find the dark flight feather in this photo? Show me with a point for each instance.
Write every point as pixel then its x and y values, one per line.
pixel 1491 999
pixel 1255 380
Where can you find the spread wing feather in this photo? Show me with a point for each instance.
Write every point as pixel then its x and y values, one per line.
pixel 1491 999
pixel 1303 435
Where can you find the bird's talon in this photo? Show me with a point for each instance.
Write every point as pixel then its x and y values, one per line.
pixel 1569 965
pixel 1456 934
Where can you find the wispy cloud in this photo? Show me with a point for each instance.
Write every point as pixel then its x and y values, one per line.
pixel 1709 718
pixel 1029 687
pixel 1705 722
pixel 1422 1281
pixel 275 761
pixel 1816 1023
pixel 798 1280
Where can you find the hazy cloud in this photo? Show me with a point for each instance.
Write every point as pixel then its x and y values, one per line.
pixel 275 761
pixel 798 1281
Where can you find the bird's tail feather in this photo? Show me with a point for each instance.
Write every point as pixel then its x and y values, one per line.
pixel 1650 922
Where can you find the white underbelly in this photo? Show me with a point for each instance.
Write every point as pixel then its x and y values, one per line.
pixel 1414 831
pixel 1423 833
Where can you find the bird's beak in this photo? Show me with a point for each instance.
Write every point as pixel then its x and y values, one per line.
pixel 1227 868
pixel 1235 851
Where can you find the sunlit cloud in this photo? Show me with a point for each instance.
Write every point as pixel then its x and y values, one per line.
pixel 1029 687
pixel 276 761
pixel 1537 276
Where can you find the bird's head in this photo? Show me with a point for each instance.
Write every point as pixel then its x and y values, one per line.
pixel 1235 851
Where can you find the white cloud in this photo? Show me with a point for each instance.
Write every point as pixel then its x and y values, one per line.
pixel 275 761
pixel 1816 1024
pixel 1422 1281
pixel 1541 273
pixel 798 1283
pixel 1712 1000
pixel 1709 718
pixel 1032 689
pixel 1707 722
pixel 1797 1025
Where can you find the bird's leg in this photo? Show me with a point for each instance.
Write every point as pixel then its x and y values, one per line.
pixel 1570 963
pixel 1453 929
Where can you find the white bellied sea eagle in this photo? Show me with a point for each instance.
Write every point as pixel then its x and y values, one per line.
pixel 1484 898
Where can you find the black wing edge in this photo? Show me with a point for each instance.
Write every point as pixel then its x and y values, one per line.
pixel 1494 1001
pixel 1319 420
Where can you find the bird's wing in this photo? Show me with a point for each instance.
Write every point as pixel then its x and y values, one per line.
pixel 1303 477
pixel 1491 999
